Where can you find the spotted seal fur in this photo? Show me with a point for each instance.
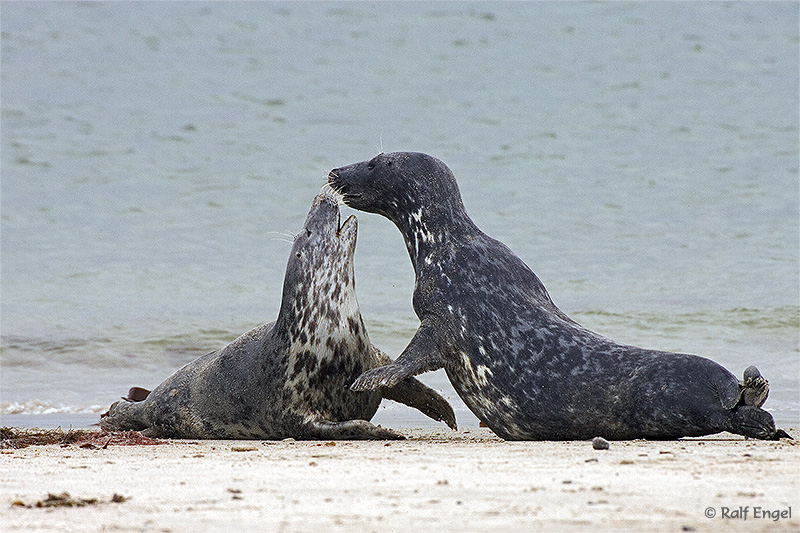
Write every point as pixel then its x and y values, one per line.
pixel 289 378
pixel 526 369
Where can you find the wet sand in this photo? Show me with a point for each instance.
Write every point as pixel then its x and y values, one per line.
pixel 441 480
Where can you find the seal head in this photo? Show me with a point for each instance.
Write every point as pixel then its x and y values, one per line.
pixel 394 185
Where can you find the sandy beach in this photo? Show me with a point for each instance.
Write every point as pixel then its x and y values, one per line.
pixel 442 480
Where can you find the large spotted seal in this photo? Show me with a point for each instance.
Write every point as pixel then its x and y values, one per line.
pixel 292 377
pixel 520 364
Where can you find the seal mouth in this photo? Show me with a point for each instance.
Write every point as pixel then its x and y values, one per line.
pixel 348 230
pixel 335 182
pixel 332 196
pixel 325 218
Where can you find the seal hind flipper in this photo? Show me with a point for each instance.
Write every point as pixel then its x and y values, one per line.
pixel 755 388
pixel 421 355
pixel 349 430
pixel 137 394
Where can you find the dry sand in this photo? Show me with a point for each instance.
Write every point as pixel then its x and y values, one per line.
pixel 437 480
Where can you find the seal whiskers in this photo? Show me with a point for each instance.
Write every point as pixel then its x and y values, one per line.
pixel 287 236
pixel 327 189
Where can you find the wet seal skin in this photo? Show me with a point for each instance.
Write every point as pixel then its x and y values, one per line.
pixel 526 369
pixel 292 377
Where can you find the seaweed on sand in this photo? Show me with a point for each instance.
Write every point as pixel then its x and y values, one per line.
pixel 16 438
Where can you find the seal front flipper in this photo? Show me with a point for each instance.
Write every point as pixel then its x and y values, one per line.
pixel 421 355
pixel 414 393
pixel 349 430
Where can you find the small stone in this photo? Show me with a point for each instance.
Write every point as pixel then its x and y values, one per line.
pixel 599 443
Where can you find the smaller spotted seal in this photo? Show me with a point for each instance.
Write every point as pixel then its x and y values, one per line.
pixel 526 369
pixel 292 377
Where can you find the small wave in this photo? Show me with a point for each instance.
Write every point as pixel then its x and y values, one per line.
pixel 120 352
pixel 39 407
pixel 779 318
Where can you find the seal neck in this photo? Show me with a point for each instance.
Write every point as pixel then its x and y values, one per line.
pixel 430 230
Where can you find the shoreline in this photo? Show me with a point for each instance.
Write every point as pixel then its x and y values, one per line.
pixel 466 480
pixel 389 414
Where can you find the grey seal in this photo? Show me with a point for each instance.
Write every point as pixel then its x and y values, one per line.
pixel 291 377
pixel 521 365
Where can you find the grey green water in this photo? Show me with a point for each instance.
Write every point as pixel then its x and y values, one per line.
pixel 642 158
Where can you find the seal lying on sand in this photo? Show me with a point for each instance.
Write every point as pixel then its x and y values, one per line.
pixel 520 364
pixel 289 378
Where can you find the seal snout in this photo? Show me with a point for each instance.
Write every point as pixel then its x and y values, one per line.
pixel 325 197
pixel 325 217
pixel 335 181
pixel 341 186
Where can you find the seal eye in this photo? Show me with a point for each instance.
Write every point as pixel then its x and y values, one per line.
pixel 371 165
pixel 297 254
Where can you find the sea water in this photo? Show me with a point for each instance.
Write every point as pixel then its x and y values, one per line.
pixel 641 158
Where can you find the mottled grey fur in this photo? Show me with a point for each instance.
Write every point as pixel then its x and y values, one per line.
pixel 292 377
pixel 520 364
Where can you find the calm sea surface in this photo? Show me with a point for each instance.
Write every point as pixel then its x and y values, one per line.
pixel 642 158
